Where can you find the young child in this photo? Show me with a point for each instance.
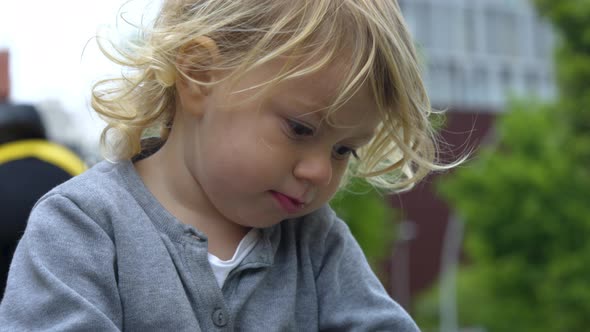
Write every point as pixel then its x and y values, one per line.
pixel 221 222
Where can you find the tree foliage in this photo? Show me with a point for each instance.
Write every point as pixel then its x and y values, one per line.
pixel 526 203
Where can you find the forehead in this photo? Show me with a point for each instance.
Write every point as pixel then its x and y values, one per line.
pixel 313 94
pixel 308 96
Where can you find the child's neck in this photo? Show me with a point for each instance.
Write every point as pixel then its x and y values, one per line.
pixel 180 195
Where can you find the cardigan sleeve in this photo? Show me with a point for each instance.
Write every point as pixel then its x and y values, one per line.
pixel 351 298
pixel 63 273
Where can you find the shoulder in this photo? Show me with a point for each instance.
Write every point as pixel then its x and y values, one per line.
pixel 100 183
pixel 322 223
pixel 102 177
pixel 320 234
pixel 316 226
pixel 97 193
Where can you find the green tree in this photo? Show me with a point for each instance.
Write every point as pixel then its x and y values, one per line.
pixel 525 202
pixel 571 19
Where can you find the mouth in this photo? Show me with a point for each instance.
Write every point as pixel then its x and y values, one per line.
pixel 288 203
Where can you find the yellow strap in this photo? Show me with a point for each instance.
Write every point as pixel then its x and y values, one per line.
pixel 49 152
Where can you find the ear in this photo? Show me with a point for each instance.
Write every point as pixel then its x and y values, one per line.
pixel 194 62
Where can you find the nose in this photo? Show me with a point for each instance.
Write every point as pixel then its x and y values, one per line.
pixel 315 168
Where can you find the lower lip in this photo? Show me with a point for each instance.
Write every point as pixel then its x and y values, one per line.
pixel 286 203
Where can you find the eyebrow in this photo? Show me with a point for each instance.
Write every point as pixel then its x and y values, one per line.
pixel 316 111
pixel 364 138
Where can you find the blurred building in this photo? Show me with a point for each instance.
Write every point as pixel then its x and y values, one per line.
pixel 478 55
pixel 479 52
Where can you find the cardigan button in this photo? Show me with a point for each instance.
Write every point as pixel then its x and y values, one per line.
pixel 193 234
pixel 219 317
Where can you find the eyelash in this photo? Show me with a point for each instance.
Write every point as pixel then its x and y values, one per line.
pixel 295 131
pixel 295 126
pixel 350 151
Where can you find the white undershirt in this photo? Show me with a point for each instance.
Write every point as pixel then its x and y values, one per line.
pixel 222 268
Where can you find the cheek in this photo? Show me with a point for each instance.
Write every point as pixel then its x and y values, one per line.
pixel 325 194
pixel 237 162
pixel 246 153
pixel 225 161
pixel 337 174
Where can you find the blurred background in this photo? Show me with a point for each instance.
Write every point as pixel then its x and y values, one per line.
pixel 50 57
pixel 498 244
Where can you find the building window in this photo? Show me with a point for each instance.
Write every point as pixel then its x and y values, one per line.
pixel 543 40
pixel 507 79
pixel 443 32
pixel 479 86
pixel 423 14
pixel 532 82
pixel 501 32
pixel 470 30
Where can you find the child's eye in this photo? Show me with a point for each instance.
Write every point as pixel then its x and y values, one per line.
pixel 343 152
pixel 298 129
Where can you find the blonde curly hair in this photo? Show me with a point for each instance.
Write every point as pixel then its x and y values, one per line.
pixel 371 34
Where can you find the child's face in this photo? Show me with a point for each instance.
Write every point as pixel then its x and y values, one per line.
pixel 261 160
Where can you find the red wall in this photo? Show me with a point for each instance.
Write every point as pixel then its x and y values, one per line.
pixel 4 79
pixel 415 264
